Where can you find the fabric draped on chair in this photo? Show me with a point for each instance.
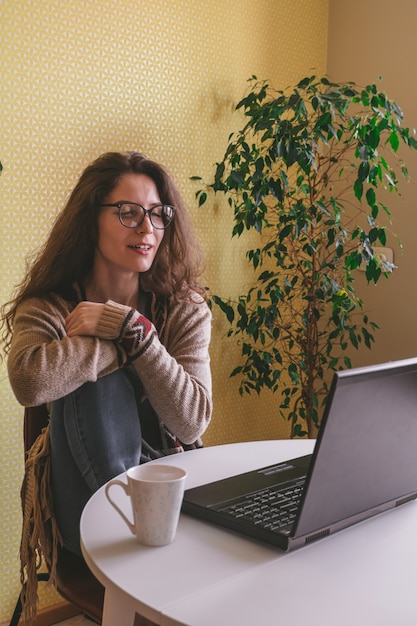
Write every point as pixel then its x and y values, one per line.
pixel 40 539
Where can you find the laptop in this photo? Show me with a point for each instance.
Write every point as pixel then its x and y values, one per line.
pixel 364 462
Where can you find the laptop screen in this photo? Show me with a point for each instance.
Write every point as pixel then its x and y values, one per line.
pixel 366 452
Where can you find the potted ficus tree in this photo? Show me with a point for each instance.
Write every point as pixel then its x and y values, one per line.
pixel 309 172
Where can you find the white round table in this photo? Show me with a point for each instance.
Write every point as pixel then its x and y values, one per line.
pixel 363 576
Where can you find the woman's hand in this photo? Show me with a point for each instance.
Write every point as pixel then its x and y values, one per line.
pixel 83 320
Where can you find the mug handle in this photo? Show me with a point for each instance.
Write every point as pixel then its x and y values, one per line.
pixel 125 488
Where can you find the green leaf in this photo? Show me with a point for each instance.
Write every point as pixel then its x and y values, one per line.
pixel 382 236
pixel 285 231
pixel 371 197
pixel 225 307
pixel 347 362
pixel 358 188
pixel 299 431
pixel 293 373
pixel 394 141
pixel 363 170
pixel 373 138
pixel 373 271
pixel 202 198
pixel 368 338
pixel 373 235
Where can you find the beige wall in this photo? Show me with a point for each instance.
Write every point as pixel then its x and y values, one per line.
pixel 367 39
pixel 162 76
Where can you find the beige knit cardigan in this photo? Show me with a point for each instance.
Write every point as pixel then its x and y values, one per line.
pixel 171 357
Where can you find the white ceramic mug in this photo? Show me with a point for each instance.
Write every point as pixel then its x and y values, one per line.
pixel 156 493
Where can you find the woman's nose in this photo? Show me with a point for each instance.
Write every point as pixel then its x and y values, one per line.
pixel 146 225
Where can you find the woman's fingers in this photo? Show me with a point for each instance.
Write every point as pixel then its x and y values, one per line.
pixel 83 320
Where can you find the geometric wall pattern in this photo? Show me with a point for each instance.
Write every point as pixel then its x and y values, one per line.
pixel 82 77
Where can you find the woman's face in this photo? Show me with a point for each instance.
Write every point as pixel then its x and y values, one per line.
pixel 128 249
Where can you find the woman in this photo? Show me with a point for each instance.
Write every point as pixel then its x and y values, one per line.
pixel 111 329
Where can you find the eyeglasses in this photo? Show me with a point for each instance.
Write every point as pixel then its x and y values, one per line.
pixel 132 215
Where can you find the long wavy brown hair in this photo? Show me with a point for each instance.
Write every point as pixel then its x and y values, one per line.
pixel 67 256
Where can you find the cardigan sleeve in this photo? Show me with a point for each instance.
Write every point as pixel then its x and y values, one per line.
pixel 44 364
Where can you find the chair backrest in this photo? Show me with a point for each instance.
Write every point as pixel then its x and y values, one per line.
pixel 35 419
pixel 74 581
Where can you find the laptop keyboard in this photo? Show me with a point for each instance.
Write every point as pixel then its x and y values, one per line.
pixel 273 508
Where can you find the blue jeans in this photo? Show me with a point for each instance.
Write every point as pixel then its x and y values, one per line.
pixel 95 435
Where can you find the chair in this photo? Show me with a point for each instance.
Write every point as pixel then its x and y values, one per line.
pixel 74 581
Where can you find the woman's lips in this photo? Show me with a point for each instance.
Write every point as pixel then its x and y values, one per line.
pixel 141 248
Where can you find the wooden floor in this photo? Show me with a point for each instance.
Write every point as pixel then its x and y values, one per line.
pixel 80 620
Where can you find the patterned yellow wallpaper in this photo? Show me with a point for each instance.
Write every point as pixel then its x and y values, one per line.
pixel 80 77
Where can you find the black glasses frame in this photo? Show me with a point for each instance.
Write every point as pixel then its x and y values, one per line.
pixel 146 212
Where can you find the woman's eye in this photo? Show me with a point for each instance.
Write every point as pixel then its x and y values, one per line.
pixel 131 213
